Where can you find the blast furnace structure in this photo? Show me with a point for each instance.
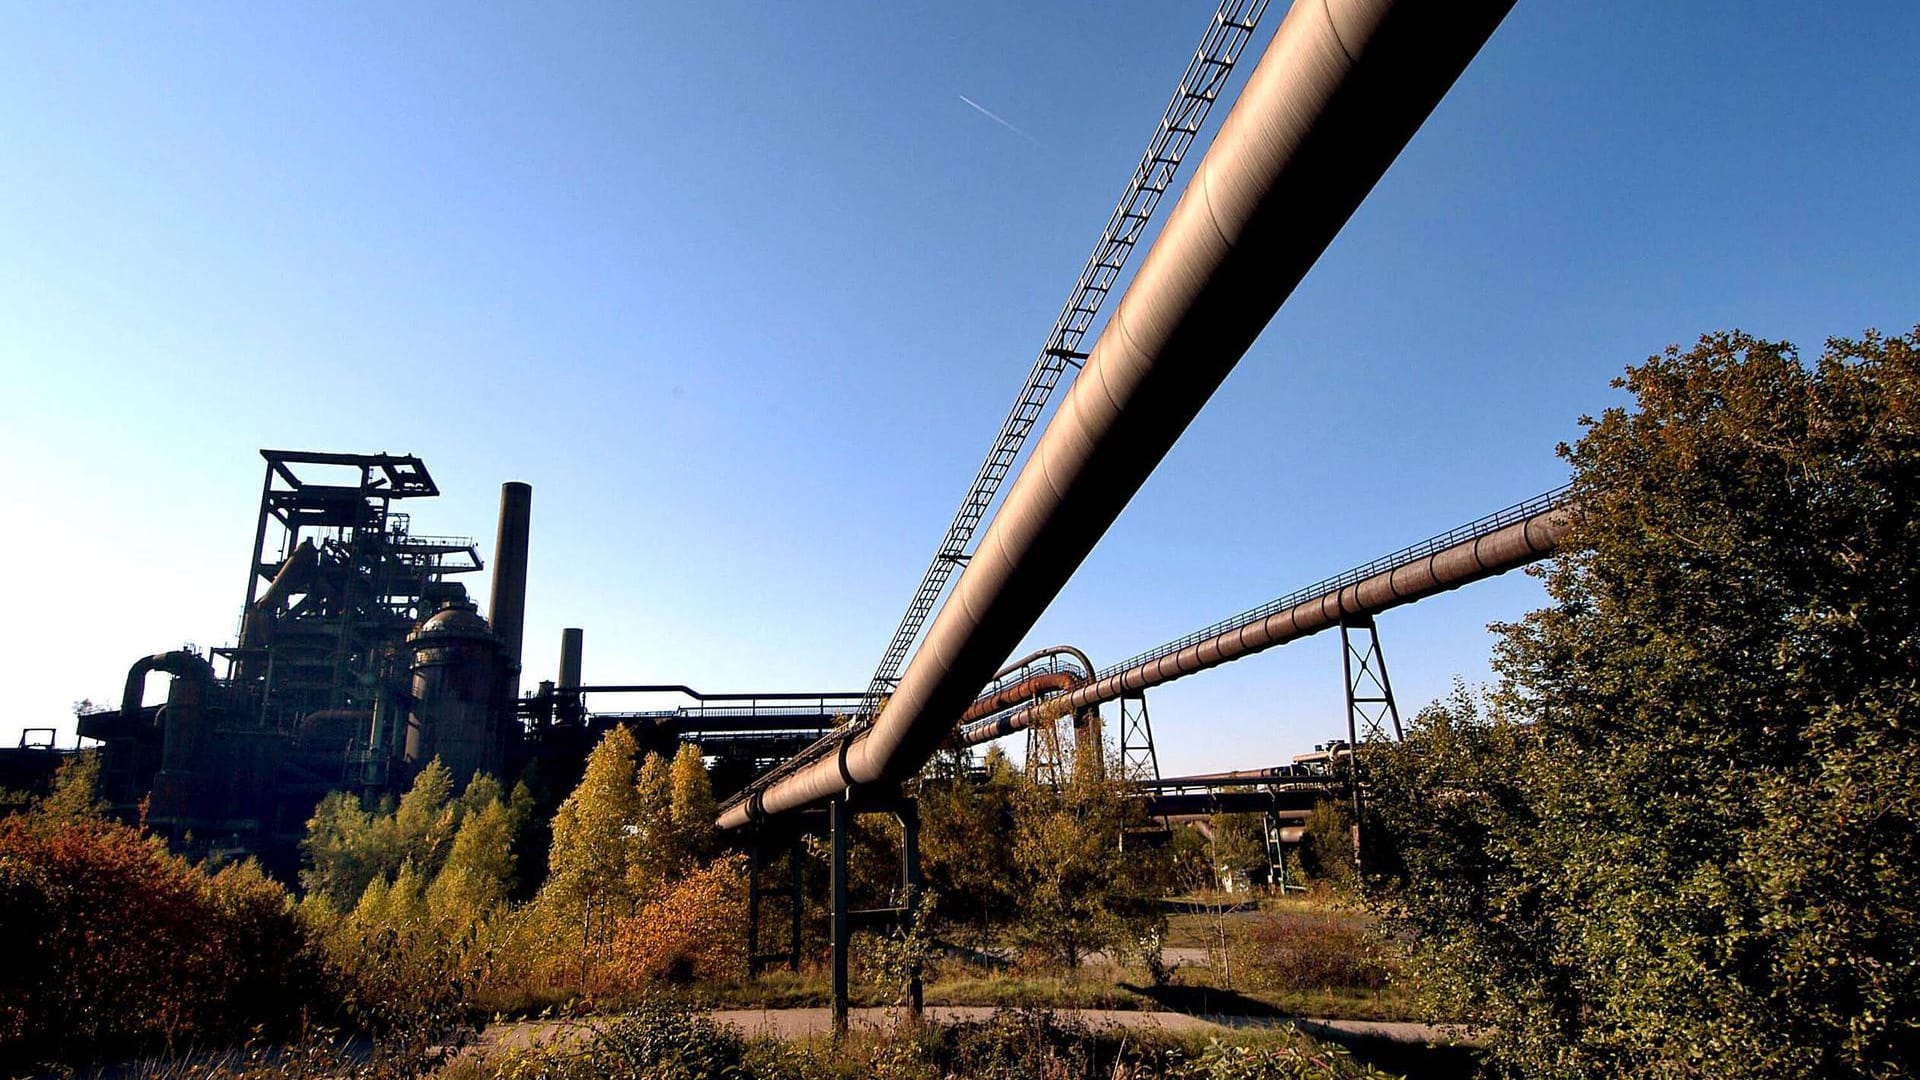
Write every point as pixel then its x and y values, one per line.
pixel 360 658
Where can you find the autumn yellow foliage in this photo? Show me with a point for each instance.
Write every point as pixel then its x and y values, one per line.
pixel 695 931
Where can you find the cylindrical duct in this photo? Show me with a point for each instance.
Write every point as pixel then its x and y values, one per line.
pixel 1046 682
pixel 507 603
pixel 572 639
pixel 1472 560
pixel 455 668
pixel 1342 87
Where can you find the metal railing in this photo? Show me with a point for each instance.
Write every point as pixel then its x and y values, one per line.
pixel 1499 519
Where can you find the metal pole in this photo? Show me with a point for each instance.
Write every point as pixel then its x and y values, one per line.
pixel 840 822
pixel 753 907
pixel 796 865
pixel 909 815
pixel 1353 733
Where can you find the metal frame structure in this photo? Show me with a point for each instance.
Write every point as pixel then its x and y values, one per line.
pixel 1494 544
pixel 1046 758
pixel 1138 759
pixel 366 578
pixel 1425 550
pixel 1370 704
pixel 1370 707
pixel 796 852
pixel 1207 73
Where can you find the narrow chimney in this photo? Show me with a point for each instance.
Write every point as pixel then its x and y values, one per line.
pixel 571 640
pixel 507 610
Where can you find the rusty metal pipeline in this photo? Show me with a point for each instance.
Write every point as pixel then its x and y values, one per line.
pixel 1342 87
pixel 1016 693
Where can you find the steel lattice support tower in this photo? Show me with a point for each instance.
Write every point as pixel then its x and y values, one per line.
pixel 1138 761
pixel 1370 704
pixel 1046 758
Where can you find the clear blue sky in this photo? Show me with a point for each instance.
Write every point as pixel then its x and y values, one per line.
pixel 743 291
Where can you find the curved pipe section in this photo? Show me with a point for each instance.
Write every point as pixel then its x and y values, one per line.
pixel 1472 560
pixel 1016 693
pixel 1038 655
pixel 1343 86
pixel 999 698
pixel 182 665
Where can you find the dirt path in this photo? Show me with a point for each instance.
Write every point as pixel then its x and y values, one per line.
pixel 808 1022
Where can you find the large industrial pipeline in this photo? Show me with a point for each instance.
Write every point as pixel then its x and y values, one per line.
pixel 1341 89
pixel 1422 573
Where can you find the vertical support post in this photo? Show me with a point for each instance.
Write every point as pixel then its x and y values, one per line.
pixel 1353 738
pixel 909 815
pixel 753 906
pixel 796 863
pixel 259 548
pixel 840 822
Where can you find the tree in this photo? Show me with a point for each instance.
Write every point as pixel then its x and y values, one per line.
pixel 478 875
pixel 694 808
pixel 76 789
pixel 1078 889
pixel 657 853
pixel 343 850
pixel 964 856
pixel 425 821
pixel 116 948
pixel 1239 849
pixel 346 846
pixel 1682 834
pixel 1326 846
pixel 594 837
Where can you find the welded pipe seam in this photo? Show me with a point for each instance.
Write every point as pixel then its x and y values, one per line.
pixel 1343 86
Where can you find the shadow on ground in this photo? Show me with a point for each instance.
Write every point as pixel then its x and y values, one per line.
pixel 1414 1060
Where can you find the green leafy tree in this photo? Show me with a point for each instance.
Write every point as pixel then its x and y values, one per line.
pixel 344 850
pixel 1682 837
pixel 1239 848
pixel 1079 888
pixel 1326 845
pixel 964 857
pixel 346 846
pixel 478 875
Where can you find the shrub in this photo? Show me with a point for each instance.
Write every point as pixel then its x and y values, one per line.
pixel 654 1042
pixel 698 930
pixel 116 947
pixel 1312 951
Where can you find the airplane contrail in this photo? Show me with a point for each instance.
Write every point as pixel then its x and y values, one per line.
pixel 998 119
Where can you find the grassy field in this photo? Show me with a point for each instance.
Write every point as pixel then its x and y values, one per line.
pixel 1275 957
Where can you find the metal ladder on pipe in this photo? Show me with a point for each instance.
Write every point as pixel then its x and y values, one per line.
pixel 1232 26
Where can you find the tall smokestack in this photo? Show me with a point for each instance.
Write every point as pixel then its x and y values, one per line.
pixel 571 640
pixel 507 610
